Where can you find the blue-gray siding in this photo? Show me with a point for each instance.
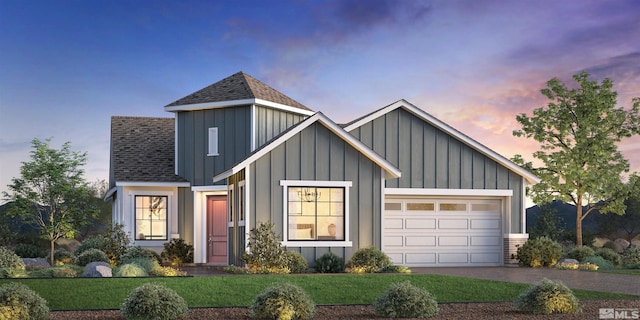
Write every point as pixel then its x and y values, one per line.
pixel 271 122
pixel 430 158
pixel 317 154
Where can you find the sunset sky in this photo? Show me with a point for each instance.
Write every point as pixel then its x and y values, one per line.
pixel 66 66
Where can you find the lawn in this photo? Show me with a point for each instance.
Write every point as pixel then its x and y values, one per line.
pixel 224 291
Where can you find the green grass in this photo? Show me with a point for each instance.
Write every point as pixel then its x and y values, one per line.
pixel 225 291
pixel 622 271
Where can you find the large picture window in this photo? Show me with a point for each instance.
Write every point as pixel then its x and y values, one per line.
pixel 316 213
pixel 151 217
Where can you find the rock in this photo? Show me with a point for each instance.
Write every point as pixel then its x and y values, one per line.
pixel 565 260
pixel 97 270
pixel 622 242
pixel 35 263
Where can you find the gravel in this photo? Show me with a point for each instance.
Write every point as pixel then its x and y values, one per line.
pixel 499 310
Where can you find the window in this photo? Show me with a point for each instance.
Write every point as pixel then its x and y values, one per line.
pixel 213 142
pixel 241 203
pixel 151 217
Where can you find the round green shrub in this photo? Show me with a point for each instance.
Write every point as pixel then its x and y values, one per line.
pixel 97 242
pixel 62 256
pixel 631 256
pixel 283 301
pixel 116 241
pixel 91 255
pixel 177 252
pixel 65 271
pixel 19 296
pixel 547 297
pixel 153 301
pixel 370 260
pixel 404 300
pixel 329 263
pixel 297 262
pixel 147 264
pixel 265 254
pixel 609 255
pixel 130 270
pixel 27 250
pixel 539 252
pixel 138 252
pixel 580 253
pixel 602 263
pixel 8 259
pixel 13 313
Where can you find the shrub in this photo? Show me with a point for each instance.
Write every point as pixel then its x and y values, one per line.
pixel 370 259
pixel 588 267
pixel 12 273
pixel 609 255
pixel 147 264
pixel 138 252
pixel 19 296
pixel 154 301
pixel 266 254
pixel 296 262
pixel 115 241
pixel 631 256
pixel 27 250
pixel 64 272
pixel 329 263
pixel 404 300
pixel 91 255
pixel 8 259
pixel 613 246
pixel 547 297
pixel 602 263
pixel 13 313
pixel 539 252
pixel 97 242
pixel 580 253
pixel 177 252
pixel 167 272
pixel 62 256
pixel 130 270
pixel 396 269
pixel 283 301
pixel 567 266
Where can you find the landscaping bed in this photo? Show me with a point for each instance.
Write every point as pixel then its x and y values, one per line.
pixel 493 310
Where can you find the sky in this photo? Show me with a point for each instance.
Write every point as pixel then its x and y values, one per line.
pixel 67 66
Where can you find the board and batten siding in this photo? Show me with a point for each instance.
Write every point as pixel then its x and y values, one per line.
pixel 233 142
pixel 271 122
pixel 430 158
pixel 185 215
pixel 318 154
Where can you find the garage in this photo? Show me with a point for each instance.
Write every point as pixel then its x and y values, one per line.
pixel 439 232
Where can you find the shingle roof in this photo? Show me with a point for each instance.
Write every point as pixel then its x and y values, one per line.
pixel 239 86
pixel 142 149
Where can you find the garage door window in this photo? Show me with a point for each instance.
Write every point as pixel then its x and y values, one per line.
pixel 316 212
pixel 453 207
pixel 411 206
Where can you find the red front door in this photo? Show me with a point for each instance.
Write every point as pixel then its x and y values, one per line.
pixel 217 229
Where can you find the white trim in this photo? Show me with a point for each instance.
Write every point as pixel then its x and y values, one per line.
pixel 516 236
pixel 252 126
pixel 242 198
pixel 151 184
pixel 313 183
pixel 531 178
pixel 208 188
pixel 109 193
pixel 390 169
pixel 449 192
pixel 247 206
pixel 231 205
pixel 200 219
pixel 233 103
pixel 523 208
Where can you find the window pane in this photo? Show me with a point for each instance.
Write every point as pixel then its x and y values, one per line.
pixel 151 218
pixel 453 207
pixel 393 206
pixel 420 206
pixel 316 213
pixel 485 207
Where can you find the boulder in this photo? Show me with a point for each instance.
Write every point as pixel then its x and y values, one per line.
pixel 97 270
pixel 622 242
pixel 36 263
pixel 566 260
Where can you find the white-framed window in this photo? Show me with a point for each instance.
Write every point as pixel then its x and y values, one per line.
pixel 231 205
pixel 241 203
pixel 213 142
pixel 316 213
pixel 151 217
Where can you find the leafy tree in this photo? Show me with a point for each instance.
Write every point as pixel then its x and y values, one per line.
pixel 578 132
pixel 51 193
pixel 548 224
pixel 629 223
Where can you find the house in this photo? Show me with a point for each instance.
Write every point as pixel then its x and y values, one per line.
pixel 239 152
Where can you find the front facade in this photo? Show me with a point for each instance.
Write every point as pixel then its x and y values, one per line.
pixel 243 153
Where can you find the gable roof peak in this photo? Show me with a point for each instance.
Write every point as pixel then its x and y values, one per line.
pixel 238 86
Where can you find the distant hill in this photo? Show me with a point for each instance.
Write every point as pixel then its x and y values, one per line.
pixel 567 214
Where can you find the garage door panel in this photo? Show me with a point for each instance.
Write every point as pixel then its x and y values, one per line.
pixel 485 224
pixel 453 257
pixel 420 223
pixel 394 241
pixel 453 241
pixel 393 223
pixel 485 241
pixel 453 223
pixel 485 257
pixel 420 241
pixel 396 258
pixel 420 258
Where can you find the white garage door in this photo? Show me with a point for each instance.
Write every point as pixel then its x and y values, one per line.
pixel 422 232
